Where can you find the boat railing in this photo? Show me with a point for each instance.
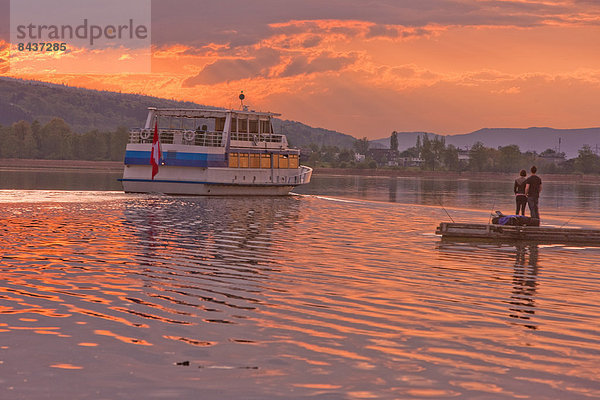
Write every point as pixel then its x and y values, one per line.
pixel 254 137
pixel 305 174
pixel 199 138
pixel 177 136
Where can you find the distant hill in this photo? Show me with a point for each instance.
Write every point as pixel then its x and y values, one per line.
pixel 301 135
pixel 85 110
pixel 529 139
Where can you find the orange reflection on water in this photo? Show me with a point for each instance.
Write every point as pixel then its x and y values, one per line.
pixel 316 385
pixel 193 342
pixel 356 299
pixel 66 366
pixel 432 393
pixel 62 258
pixel 92 313
pixel 40 330
pixel 124 339
pixel 36 310
pixel 306 360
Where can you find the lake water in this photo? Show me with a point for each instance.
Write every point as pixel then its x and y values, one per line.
pixel 340 292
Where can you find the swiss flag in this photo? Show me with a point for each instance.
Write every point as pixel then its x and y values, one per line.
pixel 156 154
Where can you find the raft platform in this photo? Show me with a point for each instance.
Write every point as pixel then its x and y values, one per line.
pixel 518 233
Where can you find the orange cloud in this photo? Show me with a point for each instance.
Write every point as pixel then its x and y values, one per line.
pixel 368 79
pixel 4 57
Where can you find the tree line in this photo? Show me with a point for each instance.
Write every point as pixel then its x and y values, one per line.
pixel 335 157
pixel 56 140
pixel 434 155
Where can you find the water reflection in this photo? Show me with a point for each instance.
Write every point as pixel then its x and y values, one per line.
pixel 474 194
pixel 60 180
pixel 215 257
pixel 294 297
pixel 524 260
pixel 525 284
pixel 392 190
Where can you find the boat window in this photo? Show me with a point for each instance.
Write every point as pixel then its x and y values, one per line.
pixel 233 124
pixel 275 158
pixel 219 124
pixel 254 160
pixel 265 161
pixel 243 162
pixel 293 161
pixel 163 122
pixel 203 124
pixel 253 126
pixel 242 125
pixel 234 160
pixel 265 127
pixel 283 161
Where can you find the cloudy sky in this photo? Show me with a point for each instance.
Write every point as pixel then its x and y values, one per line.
pixel 367 68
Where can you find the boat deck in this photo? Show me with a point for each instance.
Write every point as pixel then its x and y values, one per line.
pixel 518 233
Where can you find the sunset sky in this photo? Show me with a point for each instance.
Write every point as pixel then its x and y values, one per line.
pixel 367 68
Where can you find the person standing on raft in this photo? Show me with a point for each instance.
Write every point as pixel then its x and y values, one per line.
pixel 533 188
pixel 520 197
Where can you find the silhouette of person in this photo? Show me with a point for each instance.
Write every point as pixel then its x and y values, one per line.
pixel 533 188
pixel 519 190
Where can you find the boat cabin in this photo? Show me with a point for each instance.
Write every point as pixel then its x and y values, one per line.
pixel 211 128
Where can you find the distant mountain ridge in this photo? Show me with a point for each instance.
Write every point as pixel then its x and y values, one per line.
pixel 528 139
pixel 85 110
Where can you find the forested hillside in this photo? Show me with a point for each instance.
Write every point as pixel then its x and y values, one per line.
pixel 95 113
pixel 55 140
pixel 84 110
pixel 301 135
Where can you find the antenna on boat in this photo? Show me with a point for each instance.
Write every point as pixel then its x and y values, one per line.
pixel 242 97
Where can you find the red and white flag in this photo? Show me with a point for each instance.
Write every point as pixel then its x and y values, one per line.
pixel 156 154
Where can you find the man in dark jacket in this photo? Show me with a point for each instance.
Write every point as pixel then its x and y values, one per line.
pixel 533 188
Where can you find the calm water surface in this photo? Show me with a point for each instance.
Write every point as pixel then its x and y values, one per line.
pixel 341 292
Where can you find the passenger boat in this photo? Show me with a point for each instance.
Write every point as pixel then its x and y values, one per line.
pixel 540 234
pixel 211 152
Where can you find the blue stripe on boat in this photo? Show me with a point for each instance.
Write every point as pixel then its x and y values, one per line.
pixel 177 159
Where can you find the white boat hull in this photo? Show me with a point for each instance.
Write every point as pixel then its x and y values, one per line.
pixel 213 181
pixel 202 189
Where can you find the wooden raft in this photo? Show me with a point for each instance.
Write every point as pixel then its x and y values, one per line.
pixel 512 233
